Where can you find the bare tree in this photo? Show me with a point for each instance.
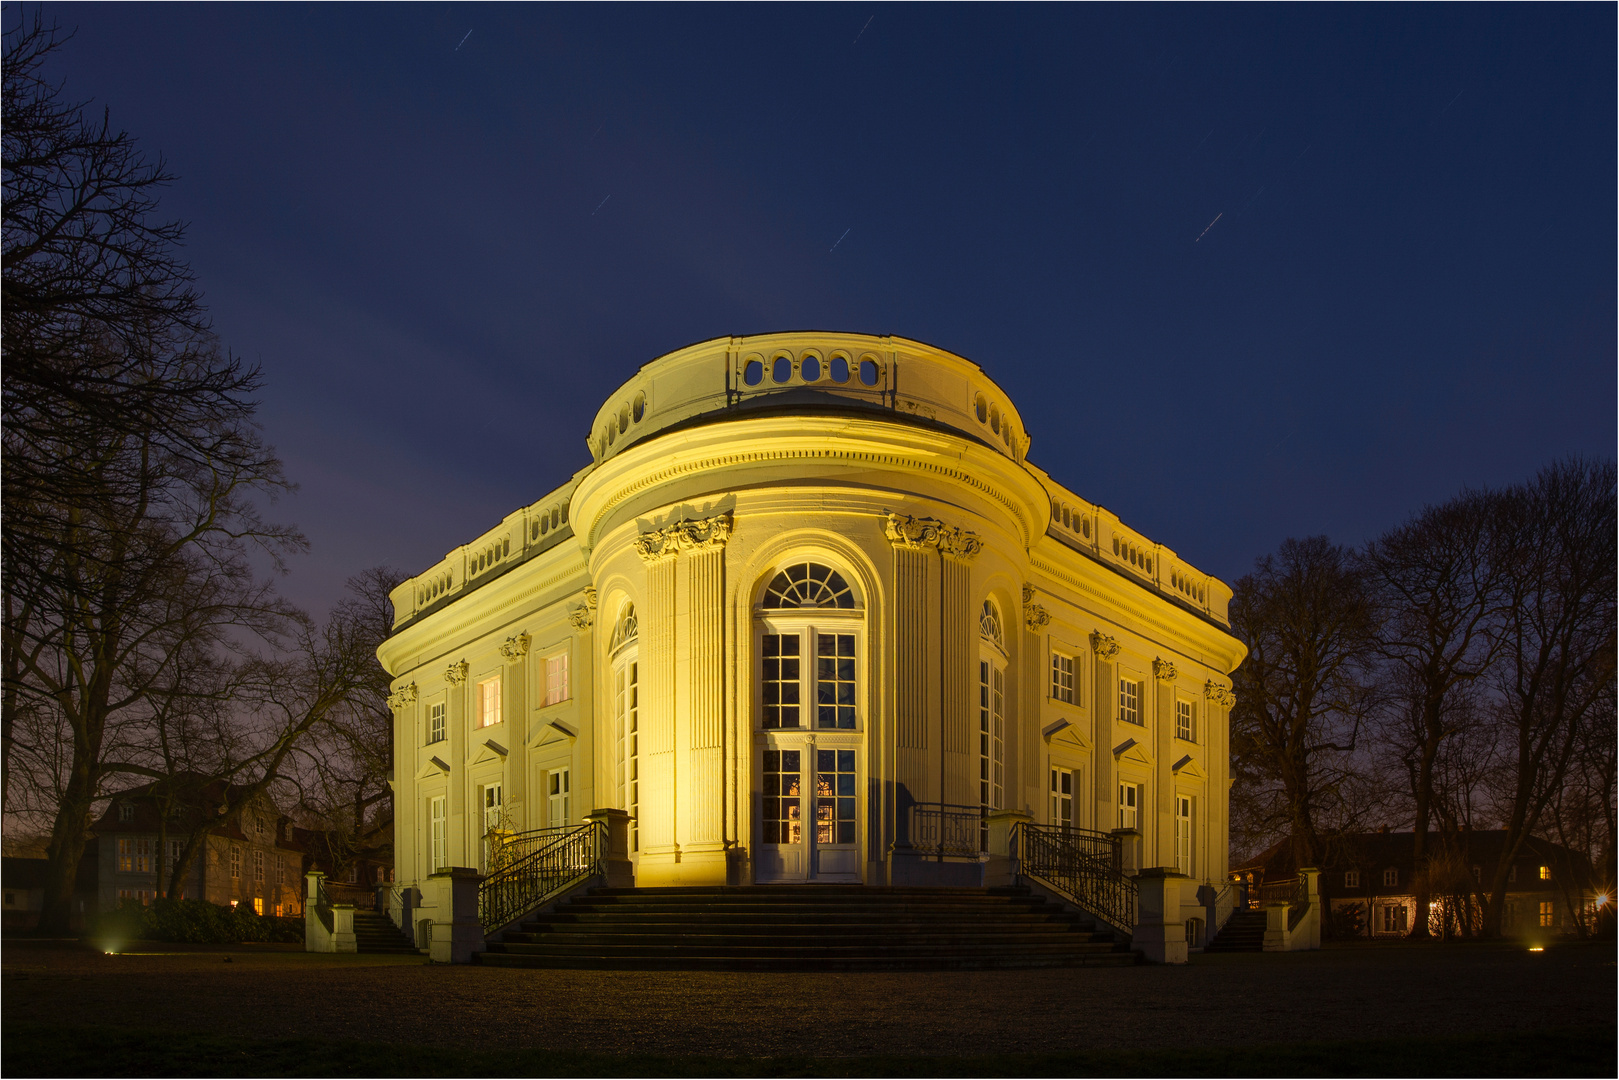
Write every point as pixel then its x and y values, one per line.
pixel 1556 546
pixel 1436 590
pixel 132 468
pixel 1304 690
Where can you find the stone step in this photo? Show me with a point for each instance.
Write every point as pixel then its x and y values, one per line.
pixel 822 963
pixel 676 937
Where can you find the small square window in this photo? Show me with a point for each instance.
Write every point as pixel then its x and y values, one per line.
pixel 1351 879
pixel 126 812
pixel 1391 877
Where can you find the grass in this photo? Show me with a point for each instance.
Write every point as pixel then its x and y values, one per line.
pixel 36 1050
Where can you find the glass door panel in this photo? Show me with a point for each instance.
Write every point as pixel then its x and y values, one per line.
pixel 782 843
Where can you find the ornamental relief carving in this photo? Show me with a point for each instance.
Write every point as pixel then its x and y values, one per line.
pixel 584 615
pixel 456 673
pixel 1220 695
pixel 515 648
pixel 693 534
pixel 913 532
pixel 1163 669
pixel 402 697
pixel 1106 646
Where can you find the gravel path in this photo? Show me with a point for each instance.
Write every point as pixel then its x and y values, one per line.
pixel 1338 993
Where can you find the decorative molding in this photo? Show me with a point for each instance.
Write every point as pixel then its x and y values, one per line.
pixel 691 534
pixel 456 673
pixel 495 746
pixel 584 615
pixel 914 532
pixel 515 648
pixel 1034 615
pixel 1164 669
pixel 1105 645
pixel 1220 695
pixel 402 697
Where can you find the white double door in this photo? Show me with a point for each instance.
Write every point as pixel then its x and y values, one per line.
pixel 807 797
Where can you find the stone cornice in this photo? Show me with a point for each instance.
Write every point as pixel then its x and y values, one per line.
pixel 913 532
pixel 691 534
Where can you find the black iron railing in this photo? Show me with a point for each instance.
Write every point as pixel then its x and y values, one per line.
pixel 1083 866
pixel 503 849
pixel 528 877
pixel 944 829
pixel 1289 891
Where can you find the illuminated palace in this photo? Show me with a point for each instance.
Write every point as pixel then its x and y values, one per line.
pixel 810 614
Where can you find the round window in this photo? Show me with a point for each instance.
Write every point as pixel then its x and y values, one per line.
pixel 995 420
pixel 868 372
pixel 638 410
pixel 754 373
pixel 840 369
pixel 624 419
pixel 782 370
pixel 981 408
pixel 810 369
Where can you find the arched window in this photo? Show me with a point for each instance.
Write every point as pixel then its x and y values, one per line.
pixel 625 630
pixel 809 585
pixel 989 625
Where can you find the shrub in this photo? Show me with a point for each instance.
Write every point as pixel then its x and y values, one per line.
pixel 195 921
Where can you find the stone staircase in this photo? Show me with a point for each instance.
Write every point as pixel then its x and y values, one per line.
pixel 376 933
pixel 808 928
pixel 1243 932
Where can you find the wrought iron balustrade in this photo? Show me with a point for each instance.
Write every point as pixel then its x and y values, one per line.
pixel 529 873
pixel 1084 866
pixel 943 829
pixel 341 892
pixel 503 849
pixel 1289 891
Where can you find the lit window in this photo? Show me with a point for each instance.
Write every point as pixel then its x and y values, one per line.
pixel 258 905
pixel 438 856
pixel 556 678
pixel 1351 879
pixel 1393 919
pixel 1183 834
pixel 1129 805
pixel 1546 913
pixel 126 856
pixel 1391 877
pixel 1062 677
pixel 1545 873
pixel 1129 701
pixel 781 807
pixel 1185 727
pixel 834 796
pixel 560 797
pixel 435 722
pixel 489 702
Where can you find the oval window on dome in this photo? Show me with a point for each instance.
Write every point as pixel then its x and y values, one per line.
pixel 612 433
pixel 840 369
pixel 754 373
pixel 995 421
pixel 782 370
pixel 868 372
pixel 638 410
pixel 623 419
pixel 981 408
pixel 809 585
pixel 810 369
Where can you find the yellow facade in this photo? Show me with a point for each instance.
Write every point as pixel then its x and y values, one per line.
pixel 968 635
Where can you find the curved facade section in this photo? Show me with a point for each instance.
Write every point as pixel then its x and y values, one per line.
pixel 811 628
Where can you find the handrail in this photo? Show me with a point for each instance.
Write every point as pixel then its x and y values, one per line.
pixel 944 829
pixel 528 881
pixel 1289 891
pixel 341 892
pixel 502 849
pixel 1083 866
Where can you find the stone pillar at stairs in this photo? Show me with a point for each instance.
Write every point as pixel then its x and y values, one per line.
pixel 1004 861
pixel 458 937
pixel 620 872
pixel 1159 934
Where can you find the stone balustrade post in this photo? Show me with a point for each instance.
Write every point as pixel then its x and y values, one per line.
pixel 343 939
pixel 620 871
pixel 457 929
pixel 317 932
pixel 1129 850
pixel 1004 861
pixel 1160 934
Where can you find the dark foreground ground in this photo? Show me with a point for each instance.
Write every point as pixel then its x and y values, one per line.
pixel 1386 1011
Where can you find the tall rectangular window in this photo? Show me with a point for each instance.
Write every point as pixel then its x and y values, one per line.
pixel 1185 721
pixel 1129 806
pixel 1062 677
pixel 559 797
pixel 258 866
pixel 435 722
pixel 780 681
pixel 438 853
pixel 1546 914
pixel 1545 873
pixel 1062 797
pixel 489 702
pixel 491 807
pixel 280 869
pixel 236 862
pixel 627 707
pixel 834 681
pixel 556 679
pixel 1183 834
pixel 126 856
pixel 1129 701
pixel 143 856
pixel 991 743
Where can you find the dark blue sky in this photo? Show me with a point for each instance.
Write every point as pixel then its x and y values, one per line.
pixel 1409 285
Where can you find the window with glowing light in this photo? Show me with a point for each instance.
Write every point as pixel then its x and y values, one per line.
pixel 1545 873
pixel 1548 914
pixel 556 678
pixel 489 702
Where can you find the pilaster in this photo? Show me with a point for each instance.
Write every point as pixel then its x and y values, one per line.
pixel 1104 647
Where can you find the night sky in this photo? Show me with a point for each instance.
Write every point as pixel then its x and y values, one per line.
pixel 446 249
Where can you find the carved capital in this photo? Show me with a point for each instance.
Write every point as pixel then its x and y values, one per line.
pixel 1164 669
pixel 1106 646
pixel 913 532
pixel 402 697
pixel 1220 695
pixel 1035 616
pixel 693 534
pixel 515 648
pixel 456 673
pixel 584 615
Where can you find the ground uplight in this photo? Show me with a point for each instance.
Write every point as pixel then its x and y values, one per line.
pixel 1536 948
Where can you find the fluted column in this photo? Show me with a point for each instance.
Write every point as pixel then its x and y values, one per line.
pixel 657 719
